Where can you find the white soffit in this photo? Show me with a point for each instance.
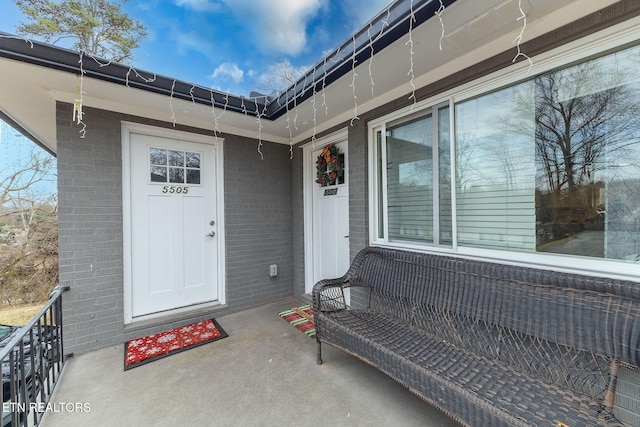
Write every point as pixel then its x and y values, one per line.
pixel 494 19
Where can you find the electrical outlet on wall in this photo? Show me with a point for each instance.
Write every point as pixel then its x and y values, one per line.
pixel 273 270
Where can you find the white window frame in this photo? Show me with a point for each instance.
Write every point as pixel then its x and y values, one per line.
pixel 431 111
pixel 599 43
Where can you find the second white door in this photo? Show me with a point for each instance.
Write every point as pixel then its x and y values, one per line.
pixel 330 223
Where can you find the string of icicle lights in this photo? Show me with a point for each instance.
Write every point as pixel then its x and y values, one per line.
pixel 292 102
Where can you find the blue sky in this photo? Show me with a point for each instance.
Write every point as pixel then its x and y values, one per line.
pixel 230 45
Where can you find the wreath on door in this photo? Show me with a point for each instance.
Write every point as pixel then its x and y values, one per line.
pixel 330 166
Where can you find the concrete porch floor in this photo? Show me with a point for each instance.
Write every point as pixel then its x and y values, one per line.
pixel 263 374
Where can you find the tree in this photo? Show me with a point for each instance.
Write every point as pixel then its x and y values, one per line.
pixel 28 252
pixel 572 135
pixel 97 27
pixel 280 76
pixel 14 184
pixel 28 229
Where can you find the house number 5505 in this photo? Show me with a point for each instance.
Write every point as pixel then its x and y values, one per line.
pixel 174 189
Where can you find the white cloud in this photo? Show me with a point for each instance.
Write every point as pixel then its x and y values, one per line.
pixel 201 5
pixel 278 25
pixel 228 70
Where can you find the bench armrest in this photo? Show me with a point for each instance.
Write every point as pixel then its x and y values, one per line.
pixel 328 294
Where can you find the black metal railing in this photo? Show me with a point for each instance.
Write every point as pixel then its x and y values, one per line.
pixel 32 361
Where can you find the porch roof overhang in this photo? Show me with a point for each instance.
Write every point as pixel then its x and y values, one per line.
pixel 36 75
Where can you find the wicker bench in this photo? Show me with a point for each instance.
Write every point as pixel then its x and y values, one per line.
pixel 488 344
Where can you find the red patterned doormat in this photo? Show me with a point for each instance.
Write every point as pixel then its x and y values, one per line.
pixel 153 347
pixel 301 318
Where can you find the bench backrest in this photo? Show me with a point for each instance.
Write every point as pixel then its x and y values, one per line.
pixel 565 328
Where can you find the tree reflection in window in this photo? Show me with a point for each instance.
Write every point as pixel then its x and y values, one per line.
pixel 176 167
pixel 552 164
pixel 586 127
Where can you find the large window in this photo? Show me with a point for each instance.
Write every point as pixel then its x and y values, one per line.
pixel 548 165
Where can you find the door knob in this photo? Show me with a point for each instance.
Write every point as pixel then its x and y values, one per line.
pixel 211 234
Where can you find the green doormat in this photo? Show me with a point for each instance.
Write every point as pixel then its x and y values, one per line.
pixel 301 318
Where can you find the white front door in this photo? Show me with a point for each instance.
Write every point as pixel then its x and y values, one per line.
pixel 328 213
pixel 174 224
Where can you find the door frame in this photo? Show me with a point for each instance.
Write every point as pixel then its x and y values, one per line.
pixel 127 129
pixel 341 135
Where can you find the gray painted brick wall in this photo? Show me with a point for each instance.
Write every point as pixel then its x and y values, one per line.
pixel 258 228
pixel 90 226
pixel 258 216
pixel 298 223
pixel 358 188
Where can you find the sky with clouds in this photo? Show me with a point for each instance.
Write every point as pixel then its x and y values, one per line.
pixel 234 45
